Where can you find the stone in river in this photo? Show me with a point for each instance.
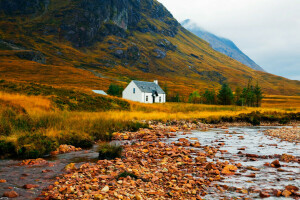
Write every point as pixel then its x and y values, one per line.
pixel 276 164
pixel 286 193
pixel 10 194
pixel 30 186
pixel 264 194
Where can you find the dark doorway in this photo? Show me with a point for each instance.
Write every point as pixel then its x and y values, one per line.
pixel 153 98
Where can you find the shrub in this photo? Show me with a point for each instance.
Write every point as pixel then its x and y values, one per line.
pixel 5 127
pixel 76 139
pixel 10 121
pixel 115 90
pixel 7 148
pixel 255 121
pixel 34 145
pixel 284 120
pixel 109 151
pixel 126 174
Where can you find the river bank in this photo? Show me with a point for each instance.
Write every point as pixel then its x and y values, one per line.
pixel 179 160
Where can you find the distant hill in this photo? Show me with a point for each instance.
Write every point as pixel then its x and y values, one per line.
pixel 221 44
pixel 90 44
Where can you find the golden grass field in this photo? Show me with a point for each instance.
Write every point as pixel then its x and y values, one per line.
pixel 40 105
pixel 37 115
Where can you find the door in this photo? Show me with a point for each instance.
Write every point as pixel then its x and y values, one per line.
pixel 153 98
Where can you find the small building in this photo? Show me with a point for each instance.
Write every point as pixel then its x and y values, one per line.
pixel 144 92
pixel 99 92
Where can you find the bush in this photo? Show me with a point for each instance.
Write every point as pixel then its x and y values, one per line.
pixel 255 121
pixel 5 127
pixel 115 90
pixel 11 121
pixel 126 174
pixel 284 120
pixel 35 145
pixel 76 139
pixel 109 151
pixel 7 148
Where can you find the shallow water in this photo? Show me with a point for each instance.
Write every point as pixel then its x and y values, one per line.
pixel 257 143
pixel 17 176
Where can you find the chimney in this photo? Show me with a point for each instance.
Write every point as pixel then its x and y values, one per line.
pixel 156 82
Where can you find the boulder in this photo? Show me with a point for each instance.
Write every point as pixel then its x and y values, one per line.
pixel 119 53
pixel 160 53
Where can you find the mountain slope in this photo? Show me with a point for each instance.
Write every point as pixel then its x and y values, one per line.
pixel 100 41
pixel 220 44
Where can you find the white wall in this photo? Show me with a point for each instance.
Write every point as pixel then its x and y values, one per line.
pixel 128 93
pixel 150 98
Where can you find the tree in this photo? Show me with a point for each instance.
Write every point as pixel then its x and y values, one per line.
pixel 252 95
pixel 115 90
pixel 194 97
pixel 258 95
pixel 238 96
pixel 225 95
pixel 209 97
pixel 166 89
pixel 175 98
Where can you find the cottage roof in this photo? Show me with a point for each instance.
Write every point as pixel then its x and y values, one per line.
pixel 149 87
pixel 100 92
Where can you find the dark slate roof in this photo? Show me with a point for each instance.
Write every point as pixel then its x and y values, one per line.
pixel 149 87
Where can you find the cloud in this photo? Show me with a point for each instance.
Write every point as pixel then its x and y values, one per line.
pixel 268 31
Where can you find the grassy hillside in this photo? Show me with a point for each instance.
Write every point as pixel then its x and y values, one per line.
pixel 35 48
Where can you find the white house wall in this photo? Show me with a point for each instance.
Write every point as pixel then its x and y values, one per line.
pixel 128 93
pixel 150 98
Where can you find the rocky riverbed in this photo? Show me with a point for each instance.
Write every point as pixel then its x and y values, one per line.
pixel 286 134
pixel 180 161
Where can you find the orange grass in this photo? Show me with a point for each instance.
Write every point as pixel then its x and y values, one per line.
pixel 29 103
pixel 279 101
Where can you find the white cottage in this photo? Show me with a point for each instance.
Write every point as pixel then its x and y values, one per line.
pixel 144 92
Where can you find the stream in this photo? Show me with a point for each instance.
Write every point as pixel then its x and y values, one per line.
pixel 18 175
pixel 253 140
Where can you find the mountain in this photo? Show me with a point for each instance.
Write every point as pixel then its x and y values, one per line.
pixel 221 44
pixel 88 44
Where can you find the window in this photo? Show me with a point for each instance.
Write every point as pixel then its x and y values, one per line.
pixel 146 98
pixel 133 90
pixel 159 99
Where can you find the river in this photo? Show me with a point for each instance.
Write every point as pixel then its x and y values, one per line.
pixel 251 139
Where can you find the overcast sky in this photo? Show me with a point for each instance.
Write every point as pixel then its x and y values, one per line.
pixel 268 31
